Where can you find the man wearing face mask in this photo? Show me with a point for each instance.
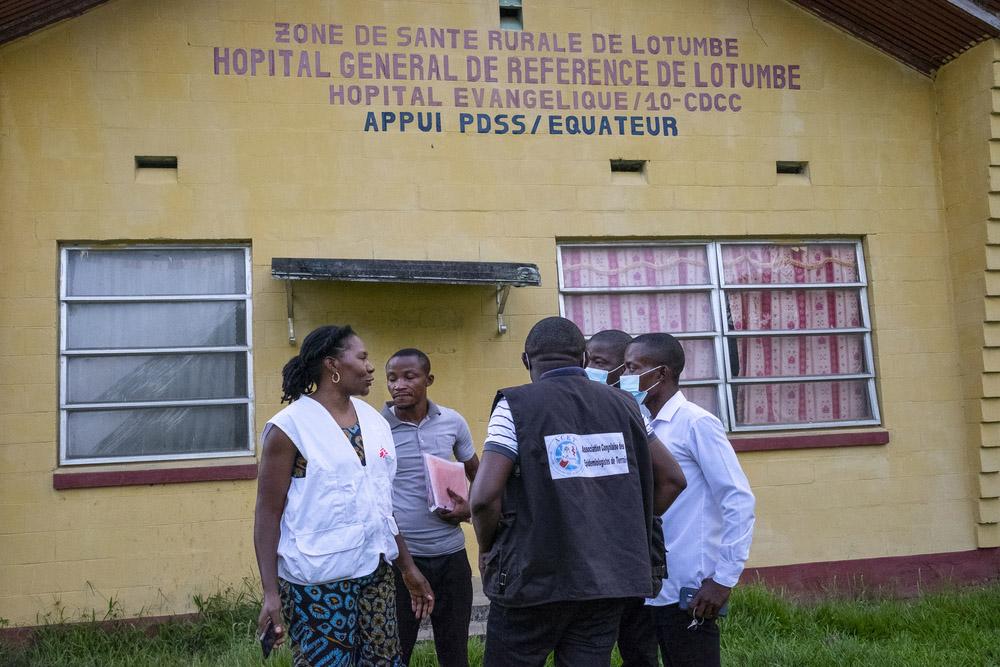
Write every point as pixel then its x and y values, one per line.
pixel 606 355
pixel 709 529
pixel 636 635
pixel 563 505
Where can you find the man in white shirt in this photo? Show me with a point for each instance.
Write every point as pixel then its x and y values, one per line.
pixel 708 529
pixel 636 636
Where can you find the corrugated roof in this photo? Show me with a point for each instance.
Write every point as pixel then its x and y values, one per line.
pixel 22 17
pixel 924 34
pixel 990 5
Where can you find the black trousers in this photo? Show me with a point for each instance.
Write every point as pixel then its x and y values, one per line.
pixel 450 578
pixel 637 635
pixel 682 646
pixel 582 633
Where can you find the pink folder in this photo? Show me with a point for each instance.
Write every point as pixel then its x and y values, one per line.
pixel 441 476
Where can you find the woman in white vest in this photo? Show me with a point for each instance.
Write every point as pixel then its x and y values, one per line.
pixel 323 527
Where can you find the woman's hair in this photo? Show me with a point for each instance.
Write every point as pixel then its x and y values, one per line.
pixel 302 373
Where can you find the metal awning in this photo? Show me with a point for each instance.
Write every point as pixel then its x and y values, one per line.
pixel 500 275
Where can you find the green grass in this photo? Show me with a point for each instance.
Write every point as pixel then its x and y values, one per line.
pixel 960 627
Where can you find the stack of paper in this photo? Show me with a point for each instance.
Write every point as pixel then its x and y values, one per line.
pixel 443 475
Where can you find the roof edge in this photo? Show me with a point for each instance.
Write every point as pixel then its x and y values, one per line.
pixel 41 16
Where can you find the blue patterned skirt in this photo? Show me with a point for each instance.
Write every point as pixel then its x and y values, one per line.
pixel 349 623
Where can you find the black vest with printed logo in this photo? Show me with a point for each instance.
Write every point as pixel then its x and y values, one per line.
pixel 576 516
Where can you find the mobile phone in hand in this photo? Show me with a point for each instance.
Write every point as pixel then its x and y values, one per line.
pixel 687 595
pixel 267 639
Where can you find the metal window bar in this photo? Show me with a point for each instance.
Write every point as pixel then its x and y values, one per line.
pixel 721 360
pixel 748 287
pixel 802 425
pixel 867 322
pixel 170 298
pixel 150 458
pixel 637 290
pixel 796 379
pixel 704 335
pixel 796 332
pixel 125 351
pixel 179 403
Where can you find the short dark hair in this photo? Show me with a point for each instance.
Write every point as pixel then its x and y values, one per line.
pixel 555 337
pixel 664 349
pixel 425 361
pixel 615 339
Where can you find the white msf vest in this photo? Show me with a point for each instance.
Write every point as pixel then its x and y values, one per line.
pixel 338 518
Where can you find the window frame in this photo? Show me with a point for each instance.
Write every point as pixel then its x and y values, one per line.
pixel 722 335
pixel 65 354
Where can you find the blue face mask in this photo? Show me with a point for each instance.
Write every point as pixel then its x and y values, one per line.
pixel 630 383
pixel 600 375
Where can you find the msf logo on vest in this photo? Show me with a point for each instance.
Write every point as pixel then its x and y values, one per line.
pixel 573 455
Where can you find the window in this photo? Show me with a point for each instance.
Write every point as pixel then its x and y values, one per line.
pixel 155 353
pixel 776 336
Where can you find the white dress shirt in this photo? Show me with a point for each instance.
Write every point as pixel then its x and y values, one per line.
pixel 708 529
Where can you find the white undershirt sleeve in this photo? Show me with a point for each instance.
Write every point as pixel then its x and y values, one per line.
pixel 500 434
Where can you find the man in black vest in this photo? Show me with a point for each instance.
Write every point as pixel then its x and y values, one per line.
pixel 563 508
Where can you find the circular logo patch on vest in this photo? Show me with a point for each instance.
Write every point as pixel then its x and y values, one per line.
pixel 566 456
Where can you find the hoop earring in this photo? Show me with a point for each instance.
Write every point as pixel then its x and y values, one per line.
pixel 335 377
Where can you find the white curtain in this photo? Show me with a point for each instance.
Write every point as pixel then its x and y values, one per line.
pixel 156 272
pixel 157 376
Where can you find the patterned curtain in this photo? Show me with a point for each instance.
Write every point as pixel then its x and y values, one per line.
pixel 789 309
pixel 659 267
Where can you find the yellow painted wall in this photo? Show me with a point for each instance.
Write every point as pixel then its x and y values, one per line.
pixel 268 161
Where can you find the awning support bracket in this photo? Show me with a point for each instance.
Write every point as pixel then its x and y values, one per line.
pixel 291 312
pixel 499 275
pixel 503 291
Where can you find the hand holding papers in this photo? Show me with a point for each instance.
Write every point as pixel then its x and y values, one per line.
pixel 442 476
